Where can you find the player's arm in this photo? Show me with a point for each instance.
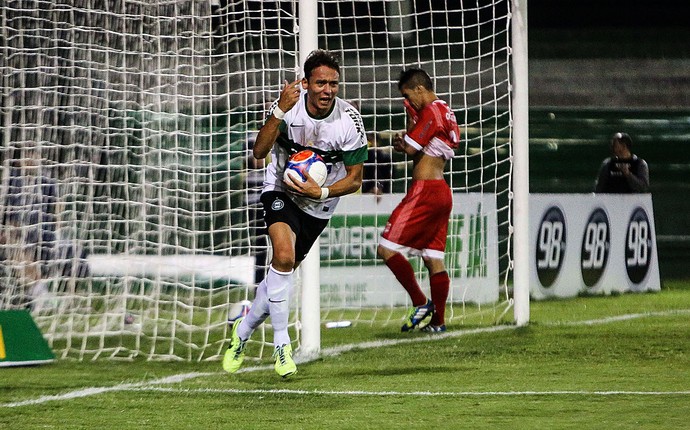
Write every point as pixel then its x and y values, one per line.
pixel 269 132
pixel 602 178
pixel 350 183
pixel 418 135
pixel 400 145
pixel 639 182
pixel 347 185
pixel 412 114
pixel 354 157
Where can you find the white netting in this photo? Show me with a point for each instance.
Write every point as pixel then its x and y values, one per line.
pixel 464 47
pixel 140 113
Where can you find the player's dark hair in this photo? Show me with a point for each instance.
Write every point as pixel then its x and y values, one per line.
pixel 318 58
pixel 624 138
pixel 412 78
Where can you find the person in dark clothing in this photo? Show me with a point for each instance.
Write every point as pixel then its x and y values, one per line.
pixel 29 221
pixel 255 212
pixel 623 171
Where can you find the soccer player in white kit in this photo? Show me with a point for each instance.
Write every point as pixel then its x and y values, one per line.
pixel 307 115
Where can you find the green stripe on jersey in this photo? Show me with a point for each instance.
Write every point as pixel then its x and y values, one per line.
pixel 359 155
pixel 350 158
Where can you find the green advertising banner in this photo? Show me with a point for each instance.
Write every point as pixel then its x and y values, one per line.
pixel 21 342
pixel 352 275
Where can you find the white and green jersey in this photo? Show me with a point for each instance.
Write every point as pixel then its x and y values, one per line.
pixel 338 137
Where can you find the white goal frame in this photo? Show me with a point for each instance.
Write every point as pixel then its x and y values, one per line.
pixel 520 163
pixel 310 306
pixel 143 114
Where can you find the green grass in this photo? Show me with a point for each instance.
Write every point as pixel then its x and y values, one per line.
pixel 590 362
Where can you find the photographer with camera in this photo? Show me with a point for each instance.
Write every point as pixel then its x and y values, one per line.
pixel 623 171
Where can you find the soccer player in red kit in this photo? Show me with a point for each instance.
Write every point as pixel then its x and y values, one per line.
pixel 419 224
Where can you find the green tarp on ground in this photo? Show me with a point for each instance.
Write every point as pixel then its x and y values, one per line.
pixel 21 342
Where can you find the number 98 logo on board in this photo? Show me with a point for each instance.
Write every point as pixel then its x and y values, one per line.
pixel 596 244
pixel 638 246
pixel 551 245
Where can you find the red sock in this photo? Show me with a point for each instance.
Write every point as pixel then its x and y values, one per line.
pixel 440 286
pixel 402 269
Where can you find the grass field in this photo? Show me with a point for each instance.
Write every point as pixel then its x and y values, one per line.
pixel 592 362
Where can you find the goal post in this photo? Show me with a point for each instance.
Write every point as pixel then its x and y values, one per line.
pixel 400 17
pixel 521 294
pixel 467 51
pixel 310 308
pixel 142 115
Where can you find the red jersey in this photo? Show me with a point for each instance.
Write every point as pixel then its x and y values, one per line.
pixel 437 127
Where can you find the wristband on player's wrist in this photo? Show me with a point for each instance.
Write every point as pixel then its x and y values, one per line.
pixel 324 193
pixel 278 112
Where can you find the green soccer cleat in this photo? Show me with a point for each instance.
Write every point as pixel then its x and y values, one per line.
pixel 284 366
pixel 417 315
pixel 235 354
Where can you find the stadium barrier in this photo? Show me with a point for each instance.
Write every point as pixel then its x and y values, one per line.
pixel 592 244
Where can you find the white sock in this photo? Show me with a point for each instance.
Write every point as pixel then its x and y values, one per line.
pixel 279 285
pixel 257 313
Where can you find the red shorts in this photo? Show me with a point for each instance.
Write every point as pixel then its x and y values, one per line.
pixel 419 224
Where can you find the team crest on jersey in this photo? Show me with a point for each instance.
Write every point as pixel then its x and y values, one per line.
pixel 277 205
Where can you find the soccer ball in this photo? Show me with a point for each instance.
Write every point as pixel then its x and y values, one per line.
pixel 308 161
pixel 238 310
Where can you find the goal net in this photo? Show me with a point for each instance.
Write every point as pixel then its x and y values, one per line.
pixel 129 194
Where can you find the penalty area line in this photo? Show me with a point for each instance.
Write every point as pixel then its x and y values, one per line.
pixel 617 318
pixel 92 391
pixel 409 393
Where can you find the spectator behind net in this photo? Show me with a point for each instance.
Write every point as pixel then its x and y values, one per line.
pixel 623 171
pixel 29 225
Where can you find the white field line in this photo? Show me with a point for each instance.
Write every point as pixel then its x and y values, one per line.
pixel 86 392
pixel 620 318
pixel 154 385
pixel 409 393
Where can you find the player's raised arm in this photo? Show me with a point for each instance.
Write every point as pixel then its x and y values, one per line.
pixel 289 96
